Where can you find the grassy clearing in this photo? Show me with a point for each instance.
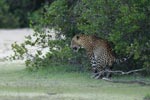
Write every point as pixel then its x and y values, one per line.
pixel 18 84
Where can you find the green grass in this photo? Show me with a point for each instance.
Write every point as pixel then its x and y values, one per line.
pixel 16 83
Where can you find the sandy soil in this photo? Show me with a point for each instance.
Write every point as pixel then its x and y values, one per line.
pixel 9 36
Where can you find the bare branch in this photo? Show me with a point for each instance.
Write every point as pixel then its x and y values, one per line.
pixel 127 82
pixel 125 73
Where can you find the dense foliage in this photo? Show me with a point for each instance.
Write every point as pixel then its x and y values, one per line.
pixel 5 19
pixel 18 12
pixel 123 22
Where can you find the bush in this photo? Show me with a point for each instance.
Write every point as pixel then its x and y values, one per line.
pixel 59 52
pixel 125 23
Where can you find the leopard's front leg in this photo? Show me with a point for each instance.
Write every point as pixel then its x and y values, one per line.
pixel 100 73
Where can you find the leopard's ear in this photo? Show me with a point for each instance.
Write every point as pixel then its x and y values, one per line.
pixel 77 37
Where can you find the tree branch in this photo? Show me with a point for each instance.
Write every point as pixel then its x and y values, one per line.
pixel 127 82
pixel 125 73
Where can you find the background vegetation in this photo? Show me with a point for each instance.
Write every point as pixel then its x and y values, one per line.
pixel 18 12
pixel 125 23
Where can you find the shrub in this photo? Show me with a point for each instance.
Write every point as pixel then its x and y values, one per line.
pixel 125 23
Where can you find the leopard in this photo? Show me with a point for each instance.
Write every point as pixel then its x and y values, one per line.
pixel 99 52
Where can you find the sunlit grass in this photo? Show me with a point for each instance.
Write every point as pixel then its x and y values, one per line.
pixel 52 84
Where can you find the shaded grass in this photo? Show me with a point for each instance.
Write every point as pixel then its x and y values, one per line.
pixel 63 83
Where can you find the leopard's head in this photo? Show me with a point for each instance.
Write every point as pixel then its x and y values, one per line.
pixel 76 42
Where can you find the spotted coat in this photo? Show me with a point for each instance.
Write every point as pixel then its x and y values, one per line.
pixel 98 50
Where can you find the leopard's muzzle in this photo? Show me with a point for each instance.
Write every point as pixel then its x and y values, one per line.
pixel 75 48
